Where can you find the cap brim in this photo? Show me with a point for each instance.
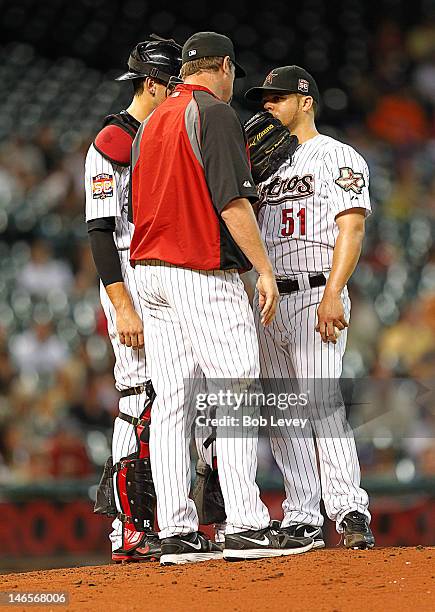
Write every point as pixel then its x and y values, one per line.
pixel 240 72
pixel 255 94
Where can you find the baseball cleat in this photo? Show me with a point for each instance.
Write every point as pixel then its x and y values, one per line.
pixel 147 549
pixel 301 530
pixel 357 533
pixel 263 543
pixel 189 548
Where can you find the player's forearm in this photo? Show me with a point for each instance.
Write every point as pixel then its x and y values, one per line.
pixel 128 323
pixel 119 297
pixel 347 251
pixel 242 225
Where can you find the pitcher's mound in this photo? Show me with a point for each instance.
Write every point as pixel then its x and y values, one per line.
pixel 383 579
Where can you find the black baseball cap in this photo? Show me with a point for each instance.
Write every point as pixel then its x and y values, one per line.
pixel 210 44
pixel 285 80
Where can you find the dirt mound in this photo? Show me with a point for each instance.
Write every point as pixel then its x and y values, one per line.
pixel 388 579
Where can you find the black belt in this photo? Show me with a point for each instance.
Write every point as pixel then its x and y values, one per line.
pixel 290 285
pixel 133 391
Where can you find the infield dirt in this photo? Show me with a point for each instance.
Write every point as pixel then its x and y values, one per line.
pixel 388 579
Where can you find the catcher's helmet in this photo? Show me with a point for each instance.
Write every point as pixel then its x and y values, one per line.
pixel 157 58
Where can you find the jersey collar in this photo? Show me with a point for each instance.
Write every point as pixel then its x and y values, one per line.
pixel 190 87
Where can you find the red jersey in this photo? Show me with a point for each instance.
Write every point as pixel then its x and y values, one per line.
pixel 189 160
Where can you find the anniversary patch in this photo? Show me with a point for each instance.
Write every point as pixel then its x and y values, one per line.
pixel 102 186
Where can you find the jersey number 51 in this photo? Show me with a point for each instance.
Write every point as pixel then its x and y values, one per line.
pixel 288 222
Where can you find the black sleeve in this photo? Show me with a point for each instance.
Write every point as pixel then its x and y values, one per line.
pixel 104 251
pixel 225 157
pixel 103 223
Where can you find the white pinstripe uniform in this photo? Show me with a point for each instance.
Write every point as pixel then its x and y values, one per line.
pixel 297 219
pixel 130 368
pixel 198 319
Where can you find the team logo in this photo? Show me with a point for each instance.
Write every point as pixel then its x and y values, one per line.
pixel 270 77
pixel 303 85
pixel 281 190
pixel 102 186
pixel 350 180
pixel 192 52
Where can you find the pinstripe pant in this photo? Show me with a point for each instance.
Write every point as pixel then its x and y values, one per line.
pixel 197 323
pixel 290 348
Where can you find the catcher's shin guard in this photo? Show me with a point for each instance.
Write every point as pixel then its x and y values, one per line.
pixel 132 478
pixel 126 489
pixel 135 493
pixel 135 500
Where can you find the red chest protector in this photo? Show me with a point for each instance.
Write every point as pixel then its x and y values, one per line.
pixel 115 139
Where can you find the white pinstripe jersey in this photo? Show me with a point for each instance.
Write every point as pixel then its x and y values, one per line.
pixel 299 203
pixel 106 186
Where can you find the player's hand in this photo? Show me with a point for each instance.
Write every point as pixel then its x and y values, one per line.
pixel 330 314
pixel 129 327
pixel 268 295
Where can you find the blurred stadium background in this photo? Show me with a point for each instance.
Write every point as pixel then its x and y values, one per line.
pixel 375 65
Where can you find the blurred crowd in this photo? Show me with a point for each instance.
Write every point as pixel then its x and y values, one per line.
pixel 57 399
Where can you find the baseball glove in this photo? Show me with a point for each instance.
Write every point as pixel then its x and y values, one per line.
pixel 207 495
pixel 104 500
pixel 270 145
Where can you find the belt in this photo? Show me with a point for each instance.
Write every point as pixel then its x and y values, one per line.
pixel 133 391
pixel 290 285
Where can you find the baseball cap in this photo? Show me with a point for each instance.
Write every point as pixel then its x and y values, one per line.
pixel 285 80
pixel 210 44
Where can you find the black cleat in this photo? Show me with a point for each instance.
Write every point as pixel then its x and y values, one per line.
pixel 188 548
pixel 357 533
pixel 262 544
pixel 146 548
pixel 301 530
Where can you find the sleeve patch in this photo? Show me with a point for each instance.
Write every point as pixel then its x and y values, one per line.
pixel 350 180
pixel 102 186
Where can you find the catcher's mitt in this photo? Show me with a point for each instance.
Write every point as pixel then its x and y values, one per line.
pixel 270 145
pixel 207 495
pixel 104 500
